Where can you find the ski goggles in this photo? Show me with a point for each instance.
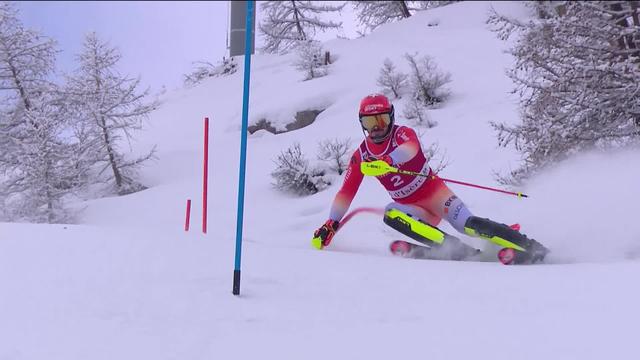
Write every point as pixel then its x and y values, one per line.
pixel 379 121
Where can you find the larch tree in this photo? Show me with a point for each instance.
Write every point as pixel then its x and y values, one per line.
pixel 109 108
pixel 35 173
pixel 372 14
pixel 578 74
pixel 287 23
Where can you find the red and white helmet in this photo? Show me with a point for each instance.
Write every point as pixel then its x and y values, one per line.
pixel 376 117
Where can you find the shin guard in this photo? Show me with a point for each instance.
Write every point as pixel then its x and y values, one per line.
pixel 441 245
pixel 499 234
pixel 414 228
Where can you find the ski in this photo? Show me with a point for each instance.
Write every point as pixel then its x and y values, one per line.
pixel 457 250
pixel 506 256
pixel 414 251
pixel 405 249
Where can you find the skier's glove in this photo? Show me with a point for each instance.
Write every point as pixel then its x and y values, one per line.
pixel 387 159
pixel 322 237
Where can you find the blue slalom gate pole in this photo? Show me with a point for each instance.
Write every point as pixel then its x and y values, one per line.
pixel 243 146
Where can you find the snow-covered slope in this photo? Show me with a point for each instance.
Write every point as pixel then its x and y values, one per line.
pixel 129 283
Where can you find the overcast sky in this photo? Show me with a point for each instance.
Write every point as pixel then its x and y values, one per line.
pixel 159 40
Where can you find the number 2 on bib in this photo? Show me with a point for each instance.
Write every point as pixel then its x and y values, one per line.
pixel 397 181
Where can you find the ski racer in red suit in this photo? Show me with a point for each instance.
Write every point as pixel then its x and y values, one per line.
pixel 419 202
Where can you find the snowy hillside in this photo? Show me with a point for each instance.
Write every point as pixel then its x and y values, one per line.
pixel 129 283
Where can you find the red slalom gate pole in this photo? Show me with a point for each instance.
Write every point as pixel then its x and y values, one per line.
pixel 187 216
pixel 205 179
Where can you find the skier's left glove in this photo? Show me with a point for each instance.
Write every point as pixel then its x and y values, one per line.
pixel 322 237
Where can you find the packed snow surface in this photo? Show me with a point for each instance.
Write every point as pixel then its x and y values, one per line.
pixel 129 283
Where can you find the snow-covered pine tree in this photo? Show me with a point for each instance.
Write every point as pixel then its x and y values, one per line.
pixel 310 59
pixel 33 156
pixel 108 106
pixel 372 14
pixel 288 22
pixel 578 75
pixel 391 80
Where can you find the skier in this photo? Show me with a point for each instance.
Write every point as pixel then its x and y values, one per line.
pixel 419 203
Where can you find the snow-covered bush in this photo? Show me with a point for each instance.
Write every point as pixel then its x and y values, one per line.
pixel 336 153
pixel 427 81
pixel 310 59
pixel 417 112
pixel 392 81
pixel 426 87
pixel 437 158
pixel 204 69
pixel 293 173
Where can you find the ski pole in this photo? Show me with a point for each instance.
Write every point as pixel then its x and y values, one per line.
pixel 379 167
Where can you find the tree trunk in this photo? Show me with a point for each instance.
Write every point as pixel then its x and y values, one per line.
pixel 23 93
pixel 542 9
pixel 47 181
pixel 623 41
pixel 112 159
pixel 301 33
pixel 404 9
pixel 102 122
pixel 635 15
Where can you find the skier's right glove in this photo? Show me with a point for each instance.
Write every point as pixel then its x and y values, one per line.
pixel 387 159
pixel 322 237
